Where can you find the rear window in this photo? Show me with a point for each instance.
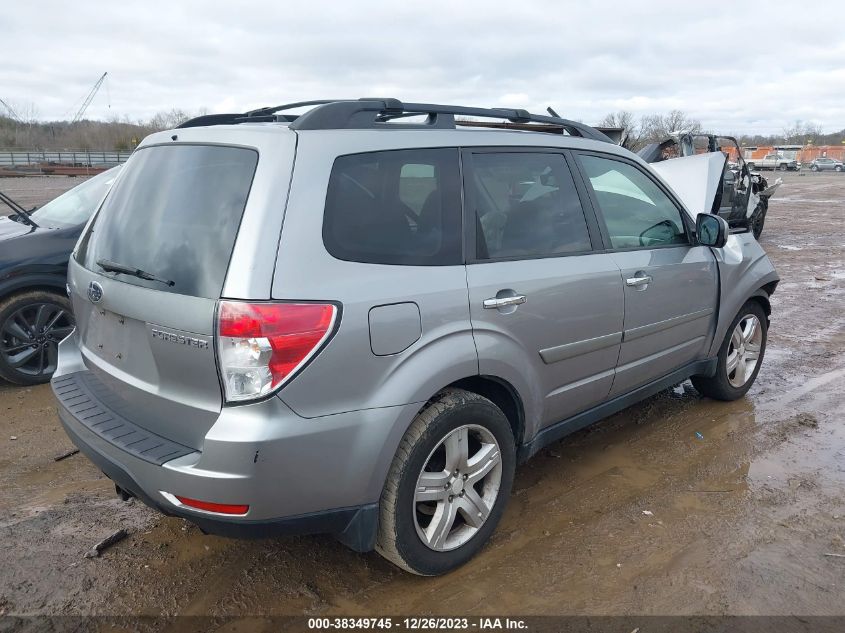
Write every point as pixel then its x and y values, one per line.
pixel 174 213
pixel 395 207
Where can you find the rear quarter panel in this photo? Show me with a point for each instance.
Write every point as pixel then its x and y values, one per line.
pixel 347 375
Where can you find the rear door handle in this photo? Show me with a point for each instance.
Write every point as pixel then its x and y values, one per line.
pixel 638 281
pixel 491 304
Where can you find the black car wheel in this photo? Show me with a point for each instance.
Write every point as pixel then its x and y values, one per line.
pixel 814 168
pixel 31 326
pixel 784 167
pixel 758 218
pixel 837 168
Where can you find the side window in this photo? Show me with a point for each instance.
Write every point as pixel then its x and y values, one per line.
pixel 395 207
pixel 636 212
pixel 526 205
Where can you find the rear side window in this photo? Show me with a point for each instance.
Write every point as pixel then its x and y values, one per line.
pixel 395 207
pixel 635 210
pixel 174 213
pixel 526 205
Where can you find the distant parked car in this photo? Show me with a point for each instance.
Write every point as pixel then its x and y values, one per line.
pixel 826 164
pixel 774 161
pixel 35 313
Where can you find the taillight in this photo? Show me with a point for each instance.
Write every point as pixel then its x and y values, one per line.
pixel 261 345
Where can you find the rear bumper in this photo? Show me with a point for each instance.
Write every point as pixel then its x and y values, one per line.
pixel 297 475
pixel 354 526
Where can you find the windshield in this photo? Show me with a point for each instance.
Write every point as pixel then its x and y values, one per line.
pixel 76 206
pixel 175 215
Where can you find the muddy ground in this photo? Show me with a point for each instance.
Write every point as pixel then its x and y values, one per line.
pixel 677 505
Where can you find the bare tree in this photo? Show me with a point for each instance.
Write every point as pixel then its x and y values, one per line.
pixel 802 132
pixel 626 121
pixel 168 120
pixel 651 128
pixel 656 127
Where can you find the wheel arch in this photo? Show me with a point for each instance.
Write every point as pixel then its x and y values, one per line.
pixel 761 296
pixel 26 283
pixel 501 393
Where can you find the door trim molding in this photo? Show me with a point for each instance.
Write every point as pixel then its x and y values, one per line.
pixel 558 353
pixel 659 326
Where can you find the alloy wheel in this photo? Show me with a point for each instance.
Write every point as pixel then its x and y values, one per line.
pixel 457 488
pixel 30 336
pixel 744 350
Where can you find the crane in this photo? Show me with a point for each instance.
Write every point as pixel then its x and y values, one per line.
pixel 89 98
pixel 12 113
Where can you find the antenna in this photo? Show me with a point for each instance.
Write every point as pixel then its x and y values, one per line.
pixel 89 98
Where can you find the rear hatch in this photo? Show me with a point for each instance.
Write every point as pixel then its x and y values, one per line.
pixel 146 279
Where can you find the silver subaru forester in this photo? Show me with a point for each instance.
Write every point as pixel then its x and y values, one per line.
pixel 358 320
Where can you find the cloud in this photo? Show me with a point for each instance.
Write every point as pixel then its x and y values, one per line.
pixel 737 66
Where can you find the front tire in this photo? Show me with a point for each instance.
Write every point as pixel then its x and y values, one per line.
pixel 740 356
pixel 448 485
pixel 784 167
pixel 837 168
pixel 31 326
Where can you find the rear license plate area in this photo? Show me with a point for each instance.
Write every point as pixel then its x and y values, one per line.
pixel 107 335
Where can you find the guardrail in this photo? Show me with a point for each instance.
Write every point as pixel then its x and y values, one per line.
pixel 78 157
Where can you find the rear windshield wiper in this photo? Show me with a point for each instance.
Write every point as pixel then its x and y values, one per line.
pixel 19 211
pixel 114 267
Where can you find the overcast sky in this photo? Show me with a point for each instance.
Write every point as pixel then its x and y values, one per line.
pixel 737 65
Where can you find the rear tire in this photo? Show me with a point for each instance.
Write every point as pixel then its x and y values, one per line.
pixel 814 168
pixel 31 325
pixel 428 521
pixel 740 356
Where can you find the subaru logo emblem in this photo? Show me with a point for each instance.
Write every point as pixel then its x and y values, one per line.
pixel 95 292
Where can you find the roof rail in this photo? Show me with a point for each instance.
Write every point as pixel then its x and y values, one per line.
pixel 377 112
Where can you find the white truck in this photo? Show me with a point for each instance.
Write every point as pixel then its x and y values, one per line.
pixel 774 161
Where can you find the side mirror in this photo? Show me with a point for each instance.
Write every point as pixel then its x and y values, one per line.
pixel 711 230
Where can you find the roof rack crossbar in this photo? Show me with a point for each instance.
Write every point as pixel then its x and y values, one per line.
pixel 369 113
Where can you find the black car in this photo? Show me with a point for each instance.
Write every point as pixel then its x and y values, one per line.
pixel 35 247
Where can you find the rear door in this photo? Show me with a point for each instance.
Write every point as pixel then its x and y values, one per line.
pixel 546 310
pixel 671 285
pixel 148 343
